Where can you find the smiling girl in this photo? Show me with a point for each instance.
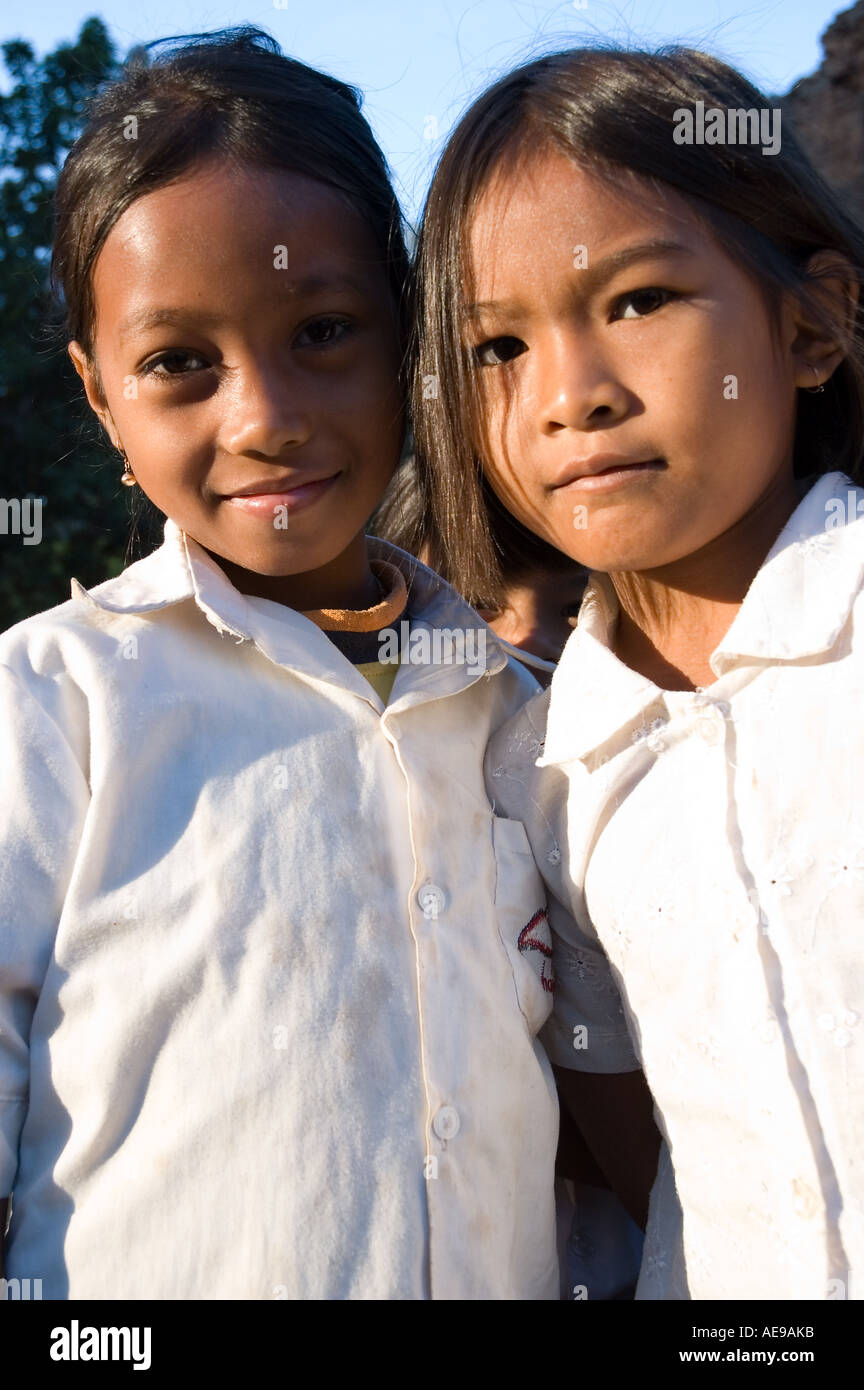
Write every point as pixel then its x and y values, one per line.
pixel 268 991
pixel 652 352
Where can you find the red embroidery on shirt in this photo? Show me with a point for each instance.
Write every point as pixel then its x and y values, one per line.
pixel 527 942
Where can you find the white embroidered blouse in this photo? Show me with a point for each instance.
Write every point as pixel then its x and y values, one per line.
pixel 704 856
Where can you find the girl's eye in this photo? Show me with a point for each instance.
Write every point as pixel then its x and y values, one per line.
pixel 642 302
pixel 496 351
pixel 176 363
pixel 324 332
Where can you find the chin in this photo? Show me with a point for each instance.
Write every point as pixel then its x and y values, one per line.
pixel 609 562
pixel 624 551
pixel 283 566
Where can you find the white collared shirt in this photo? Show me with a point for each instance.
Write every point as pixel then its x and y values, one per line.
pixel 267 1029
pixel 704 856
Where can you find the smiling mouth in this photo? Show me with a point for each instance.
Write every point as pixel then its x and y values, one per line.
pixel 291 495
pixel 278 487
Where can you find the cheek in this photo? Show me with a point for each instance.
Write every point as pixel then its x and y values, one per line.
pixel 731 360
pixel 504 440
pixel 504 435
pixel 170 450
pixel 681 374
pixel 174 440
pixel 367 399
pixel 519 491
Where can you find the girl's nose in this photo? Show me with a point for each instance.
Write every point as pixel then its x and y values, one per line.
pixel 576 389
pixel 267 414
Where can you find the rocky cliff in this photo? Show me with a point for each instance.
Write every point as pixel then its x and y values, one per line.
pixel 827 109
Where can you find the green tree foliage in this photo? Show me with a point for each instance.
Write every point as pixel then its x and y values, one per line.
pixel 50 445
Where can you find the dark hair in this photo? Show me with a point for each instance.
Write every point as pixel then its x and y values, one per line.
pixel 613 110
pixel 230 93
pixel 404 518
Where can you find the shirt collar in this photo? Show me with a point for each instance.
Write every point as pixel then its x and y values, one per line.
pixel 796 607
pixel 181 569
pixel 801 597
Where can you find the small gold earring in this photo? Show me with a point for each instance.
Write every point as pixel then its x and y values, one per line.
pixel 814 389
pixel 127 477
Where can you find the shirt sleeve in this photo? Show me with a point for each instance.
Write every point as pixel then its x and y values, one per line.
pixel 588 1028
pixel 44 802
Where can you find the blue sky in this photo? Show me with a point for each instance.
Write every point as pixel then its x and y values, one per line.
pixel 420 61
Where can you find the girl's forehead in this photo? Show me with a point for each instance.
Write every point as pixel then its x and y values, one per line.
pixel 238 201
pixel 220 229
pixel 554 187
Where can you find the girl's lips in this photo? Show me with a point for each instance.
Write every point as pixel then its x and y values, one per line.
pixel 612 478
pixel 266 503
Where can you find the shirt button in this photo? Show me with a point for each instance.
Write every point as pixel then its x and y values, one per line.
pixel 432 900
pixel 446 1122
pixel 710 726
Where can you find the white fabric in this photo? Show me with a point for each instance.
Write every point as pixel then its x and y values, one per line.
pixel 238 1059
pixel 710 848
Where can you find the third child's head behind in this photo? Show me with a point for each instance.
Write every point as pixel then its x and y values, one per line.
pixel 591 292
pixel 230 254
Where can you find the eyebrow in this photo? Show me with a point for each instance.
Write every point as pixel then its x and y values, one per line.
pixel 291 289
pixel 591 276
